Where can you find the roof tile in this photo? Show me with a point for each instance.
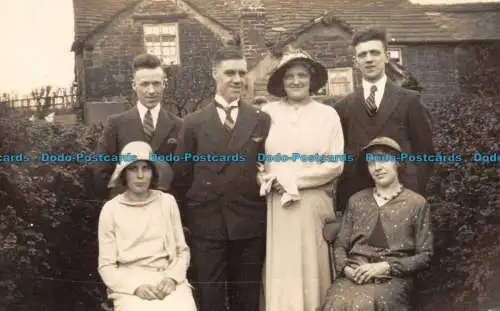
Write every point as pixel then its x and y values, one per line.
pixel 91 13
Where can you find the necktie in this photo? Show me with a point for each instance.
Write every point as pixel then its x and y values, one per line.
pixel 371 108
pixel 229 122
pixel 149 127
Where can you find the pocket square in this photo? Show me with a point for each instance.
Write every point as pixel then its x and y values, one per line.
pixel 172 141
pixel 257 139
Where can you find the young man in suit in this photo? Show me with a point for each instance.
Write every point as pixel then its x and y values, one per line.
pixel 224 212
pixel 147 121
pixel 380 108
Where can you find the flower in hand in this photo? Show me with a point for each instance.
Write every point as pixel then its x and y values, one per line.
pixel 366 272
pixel 148 292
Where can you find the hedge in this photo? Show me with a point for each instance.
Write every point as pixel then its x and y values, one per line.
pixel 48 216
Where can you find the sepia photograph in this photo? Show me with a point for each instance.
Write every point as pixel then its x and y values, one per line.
pixel 250 155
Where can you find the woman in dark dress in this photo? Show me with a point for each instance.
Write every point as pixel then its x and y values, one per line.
pixel 384 240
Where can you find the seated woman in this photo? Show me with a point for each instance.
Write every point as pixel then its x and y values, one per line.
pixel 143 256
pixel 384 240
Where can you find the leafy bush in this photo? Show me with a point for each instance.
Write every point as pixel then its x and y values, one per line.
pixel 49 220
pixel 466 207
pixel 48 215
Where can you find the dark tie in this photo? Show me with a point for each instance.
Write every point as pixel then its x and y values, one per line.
pixel 229 122
pixel 149 127
pixel 371 108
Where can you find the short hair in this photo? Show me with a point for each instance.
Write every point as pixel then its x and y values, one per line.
pixel 146 61
pixel 227 53
pixel 370 34
pixel 154 180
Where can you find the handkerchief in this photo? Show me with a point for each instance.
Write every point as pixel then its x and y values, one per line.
pixel 266 181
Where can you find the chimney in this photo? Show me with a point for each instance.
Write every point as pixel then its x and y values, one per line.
pixel 252 30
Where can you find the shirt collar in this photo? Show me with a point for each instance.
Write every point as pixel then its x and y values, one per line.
pixel 143 109
pixel 224 103
pixel 380 83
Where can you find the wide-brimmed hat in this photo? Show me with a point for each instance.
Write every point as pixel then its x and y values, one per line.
pixel 319 74
pixel 133 152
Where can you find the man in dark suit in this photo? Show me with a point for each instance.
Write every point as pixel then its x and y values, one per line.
pixel 380 108
pixel 147 121
pixel 224 212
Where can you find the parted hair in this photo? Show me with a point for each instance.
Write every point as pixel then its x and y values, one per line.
pixel 227 53
pixel 370 34
pixel 146 61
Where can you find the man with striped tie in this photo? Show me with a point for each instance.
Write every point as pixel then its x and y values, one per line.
pixel 380 108
pixel 225 214
pixel 147 121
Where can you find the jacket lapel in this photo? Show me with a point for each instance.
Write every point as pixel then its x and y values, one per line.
pixel 359 110
pixel 388 103
pixel 163 127
pixel 245 123
pixel 213 128
pixel 135 124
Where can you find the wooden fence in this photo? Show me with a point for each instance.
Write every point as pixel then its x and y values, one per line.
pixel 42 101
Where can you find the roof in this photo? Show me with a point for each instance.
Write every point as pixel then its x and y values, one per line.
pixel 404 21
pixel 91 14
pixel 398 17
pixel 474 21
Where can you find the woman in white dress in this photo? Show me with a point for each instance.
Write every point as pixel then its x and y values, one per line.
pixel 309 133
pixel 143 256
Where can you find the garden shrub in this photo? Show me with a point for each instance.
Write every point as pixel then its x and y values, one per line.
pixel 49 220
pixel 48 215
pixel 465 200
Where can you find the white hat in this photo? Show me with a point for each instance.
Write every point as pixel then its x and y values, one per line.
pixel 133 152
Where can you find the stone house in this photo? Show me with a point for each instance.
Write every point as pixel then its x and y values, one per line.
pixel 437 44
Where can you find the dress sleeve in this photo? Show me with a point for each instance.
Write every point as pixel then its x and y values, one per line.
pixel 114 279
pixel 424 240
pixel 342 242
pixel 322 173
pixel 178 270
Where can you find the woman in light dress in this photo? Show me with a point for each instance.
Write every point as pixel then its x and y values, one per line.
pixel 297 271
pixel 384 241
pixel 143 256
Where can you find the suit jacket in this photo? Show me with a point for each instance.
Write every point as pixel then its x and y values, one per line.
pixel 222 198
pixel 402 117
pixel 126 127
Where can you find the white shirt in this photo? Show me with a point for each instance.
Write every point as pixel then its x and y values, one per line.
pixel 155 112
pixel 224 103
pixel 380 89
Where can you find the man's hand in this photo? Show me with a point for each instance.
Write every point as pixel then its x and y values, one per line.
pixel 148 292
pixel 166 286
pixel 366 272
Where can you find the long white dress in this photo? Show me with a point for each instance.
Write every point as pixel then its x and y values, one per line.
pixel 142 243
pixel 297 272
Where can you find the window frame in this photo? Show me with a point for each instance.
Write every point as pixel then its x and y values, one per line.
pixel 396 49
pixel 327 87
pixel 177 45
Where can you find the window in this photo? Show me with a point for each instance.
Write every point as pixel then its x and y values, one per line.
pixel 340 82
pixel 396 55
pixel 162 40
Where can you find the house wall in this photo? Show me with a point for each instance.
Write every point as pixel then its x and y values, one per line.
pixel 108 67
pixel 434 65
pixel 435 68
